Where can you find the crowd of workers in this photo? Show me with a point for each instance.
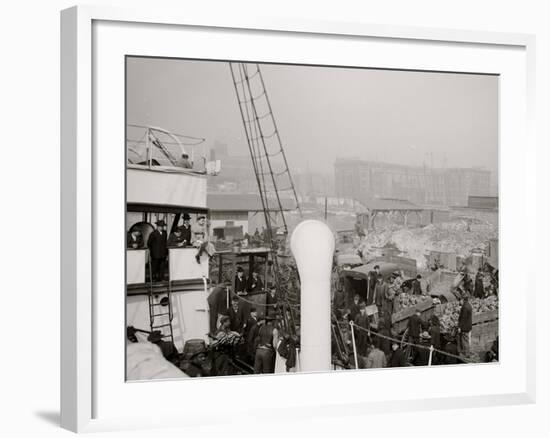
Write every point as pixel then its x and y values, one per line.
pixel 256 327
pixel 373 340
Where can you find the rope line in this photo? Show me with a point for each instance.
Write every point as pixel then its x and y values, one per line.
pixel 409 343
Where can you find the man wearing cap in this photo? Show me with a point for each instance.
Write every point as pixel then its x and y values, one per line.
pixel 422 356
pixel 184 162
pixel 465 326
pixel 157 244
pixel 186 229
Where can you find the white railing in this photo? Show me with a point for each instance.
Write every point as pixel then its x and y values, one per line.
pixel 147 143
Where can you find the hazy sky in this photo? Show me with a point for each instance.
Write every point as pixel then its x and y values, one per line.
pixel 324 113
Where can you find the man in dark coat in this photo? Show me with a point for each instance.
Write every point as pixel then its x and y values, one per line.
pixel 158 250
pixel 217 303
pixel 435 333
pixel 384 329
pixel 250 333
pixel 339 300
pixel 271 301
pixel 479 289
pixel 362 336
pixel 372 280
pixel 185 228
pixel 452 357
pixel 255 283
pixel 380 293
pixel 237 316
pixel 240 282
pixel 415 329
pixel 417 286
pixel 397 357
pixel 465 326
pixel 354 308
pixel 176 238
pixel 265 353
pixel 134 239
pixel 468 283
pixel 422 357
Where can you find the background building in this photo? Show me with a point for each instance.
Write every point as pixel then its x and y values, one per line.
pixel 355 179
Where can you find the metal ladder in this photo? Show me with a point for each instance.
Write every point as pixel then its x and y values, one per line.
pixel 269 161
pixel 155 303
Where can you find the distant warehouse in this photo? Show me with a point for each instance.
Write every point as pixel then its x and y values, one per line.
pixel 483 202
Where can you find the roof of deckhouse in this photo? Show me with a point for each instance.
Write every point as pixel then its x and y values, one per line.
pixel 241 202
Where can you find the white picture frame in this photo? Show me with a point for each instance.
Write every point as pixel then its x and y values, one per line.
pixel 89 400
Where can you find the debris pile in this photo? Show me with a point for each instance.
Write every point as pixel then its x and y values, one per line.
pixel 460 237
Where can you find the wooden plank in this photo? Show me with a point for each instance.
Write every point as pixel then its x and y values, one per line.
pixel 480 318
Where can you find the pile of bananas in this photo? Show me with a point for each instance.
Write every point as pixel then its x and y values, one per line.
pixel 449 319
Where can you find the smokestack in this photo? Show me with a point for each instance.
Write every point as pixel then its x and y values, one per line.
pixel 312 244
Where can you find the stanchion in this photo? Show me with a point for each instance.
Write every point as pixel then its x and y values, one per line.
pixel 354 346
pixel 431 354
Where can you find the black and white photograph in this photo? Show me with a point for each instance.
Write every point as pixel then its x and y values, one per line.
pixel 224 159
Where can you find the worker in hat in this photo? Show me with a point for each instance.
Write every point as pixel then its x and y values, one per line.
pixel 185 228
pixel 157 244
pixel 184 162
pixel 240 282
pixel 134 239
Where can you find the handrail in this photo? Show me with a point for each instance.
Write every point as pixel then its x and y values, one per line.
pixel 151 140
